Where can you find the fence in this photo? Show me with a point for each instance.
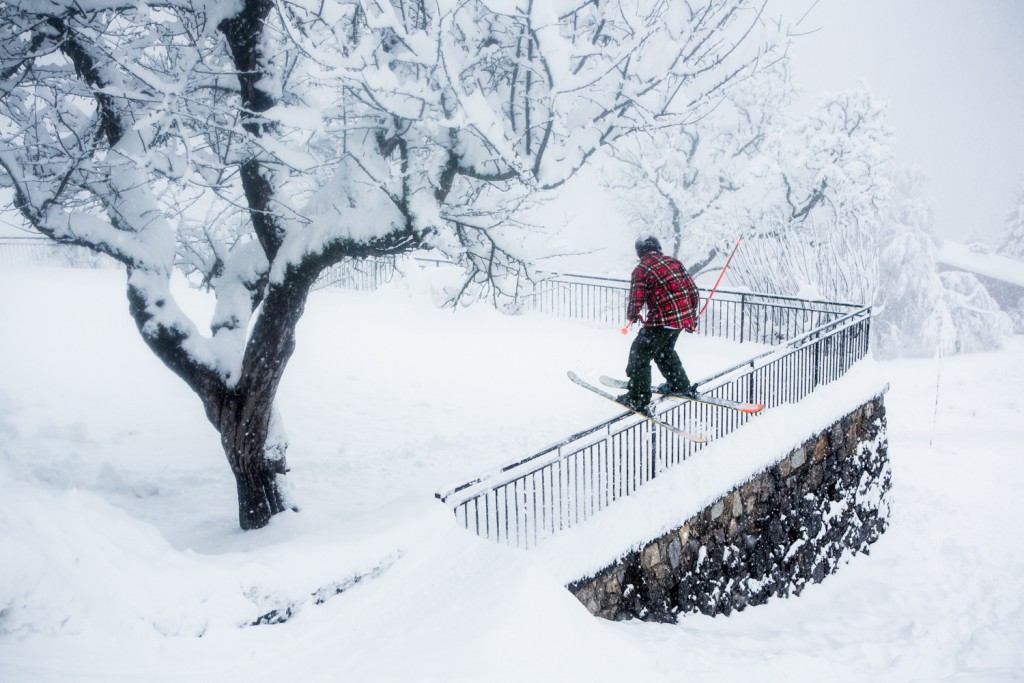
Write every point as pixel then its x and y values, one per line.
pixel 737 316
pixel 571 481
pixel 31 252
pixel 364 274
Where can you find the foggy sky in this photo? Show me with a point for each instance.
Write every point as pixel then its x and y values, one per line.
pixel 952 72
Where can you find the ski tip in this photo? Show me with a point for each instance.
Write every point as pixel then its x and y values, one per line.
pixel 751 408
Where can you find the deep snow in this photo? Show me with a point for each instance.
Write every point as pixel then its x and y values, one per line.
pixel 122 560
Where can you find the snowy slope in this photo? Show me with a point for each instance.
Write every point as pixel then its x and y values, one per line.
pixel 122 560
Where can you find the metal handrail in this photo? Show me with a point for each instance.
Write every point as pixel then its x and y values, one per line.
pixel 624 283
pixel 864 311
pixel 571 480
pixel 577 480
pixel 555 448
pixel 739 316
pixel 703 383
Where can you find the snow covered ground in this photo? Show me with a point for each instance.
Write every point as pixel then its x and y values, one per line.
pixel 121 558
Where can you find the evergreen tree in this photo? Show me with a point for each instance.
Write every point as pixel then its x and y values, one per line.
pixel 908 306
pixel 1013 235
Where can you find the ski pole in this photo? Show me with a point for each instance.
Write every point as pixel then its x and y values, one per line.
pixel 720 275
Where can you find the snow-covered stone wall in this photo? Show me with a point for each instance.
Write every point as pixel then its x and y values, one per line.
pixel 795 522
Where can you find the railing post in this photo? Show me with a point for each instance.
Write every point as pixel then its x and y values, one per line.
pixel 817 363
pixel 867 333
pixel 750 384
pixel 654 453
pixel 743 317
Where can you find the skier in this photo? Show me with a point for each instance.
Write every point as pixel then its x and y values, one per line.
pixel 661 284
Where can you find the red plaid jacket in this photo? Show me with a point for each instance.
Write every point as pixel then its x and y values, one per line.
pixel 662 284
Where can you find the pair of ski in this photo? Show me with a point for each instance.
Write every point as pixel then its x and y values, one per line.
pixel 741 406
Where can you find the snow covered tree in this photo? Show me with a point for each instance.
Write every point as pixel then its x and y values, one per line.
pixel 909 309
pixel 919 311
pixel 255 143
pixel 817 228
pixel 1013 235
pixel 975 321
pixel 807 194
pixel 683 184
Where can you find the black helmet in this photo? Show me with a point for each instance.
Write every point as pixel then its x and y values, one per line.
pixel 647 243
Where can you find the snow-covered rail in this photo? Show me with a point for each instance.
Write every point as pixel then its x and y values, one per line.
pixel 540 495
pixel 737 316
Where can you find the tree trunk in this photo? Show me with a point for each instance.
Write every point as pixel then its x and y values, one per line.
pixel 256 458
pixel 245 418
pixel 260 494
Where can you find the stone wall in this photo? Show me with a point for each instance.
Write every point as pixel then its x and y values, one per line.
pixel 789 525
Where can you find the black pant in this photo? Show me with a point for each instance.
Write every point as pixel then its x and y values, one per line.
pixel 657 344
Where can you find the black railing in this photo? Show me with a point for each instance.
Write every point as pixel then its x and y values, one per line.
pixel 578 297
pixel 362 274
pixel 564 484
pixel 737 316
pixel 34 252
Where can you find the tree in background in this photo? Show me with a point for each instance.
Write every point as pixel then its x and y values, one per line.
pixel 817 228
pixel 824 211
pixel 975 321
pixel 254 144
pixel 1013 233
pixel 909 312
pixel 850 224
pixel 1013 247
pixel 684 184
pixel 919 311
pixel 807 195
